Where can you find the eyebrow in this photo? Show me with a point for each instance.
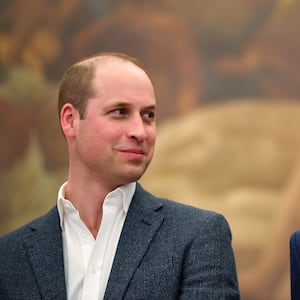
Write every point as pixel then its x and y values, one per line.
pixel 151 107
pixel 126 104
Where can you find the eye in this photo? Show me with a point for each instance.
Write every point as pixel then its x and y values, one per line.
pixel 149 116
pixel 120 111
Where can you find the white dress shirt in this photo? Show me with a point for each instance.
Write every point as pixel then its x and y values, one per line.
pixel 88 261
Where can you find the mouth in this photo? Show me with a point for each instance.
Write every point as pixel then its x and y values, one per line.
pixel 134 153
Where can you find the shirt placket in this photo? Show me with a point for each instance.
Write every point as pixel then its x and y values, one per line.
pixel 94 272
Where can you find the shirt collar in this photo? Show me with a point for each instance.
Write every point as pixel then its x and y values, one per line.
pixel 126 191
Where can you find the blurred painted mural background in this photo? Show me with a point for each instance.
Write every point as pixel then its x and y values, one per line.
pixel 227 78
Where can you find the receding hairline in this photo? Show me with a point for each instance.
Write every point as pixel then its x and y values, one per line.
pixel 106 57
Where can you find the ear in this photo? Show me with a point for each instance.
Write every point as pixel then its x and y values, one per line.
pixel 68 119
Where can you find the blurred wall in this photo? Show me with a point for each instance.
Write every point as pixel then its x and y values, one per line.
pixel 227 79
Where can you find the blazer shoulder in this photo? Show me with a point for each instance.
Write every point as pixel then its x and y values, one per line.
pixel 17 234
pixel 181 214
pixel 295 234
pixel 295 240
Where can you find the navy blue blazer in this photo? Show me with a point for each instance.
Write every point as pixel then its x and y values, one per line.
pixel 295 265
pixel 166 251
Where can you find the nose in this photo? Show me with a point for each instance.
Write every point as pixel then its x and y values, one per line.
pixel 137 129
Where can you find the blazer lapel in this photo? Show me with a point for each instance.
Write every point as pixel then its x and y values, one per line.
pixel 44 249
pixel 142 223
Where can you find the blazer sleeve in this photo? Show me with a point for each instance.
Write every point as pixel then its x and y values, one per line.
pixel 209 270
pixel 295 265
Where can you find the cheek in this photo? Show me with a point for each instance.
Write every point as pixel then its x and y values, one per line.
pixel 152 136
pixel 112 134
pixel 98 130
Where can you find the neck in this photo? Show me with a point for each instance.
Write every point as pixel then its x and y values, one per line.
pixel 88 199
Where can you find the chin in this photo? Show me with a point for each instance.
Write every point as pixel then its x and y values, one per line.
pixel 132 176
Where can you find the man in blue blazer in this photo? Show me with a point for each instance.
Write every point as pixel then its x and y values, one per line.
pixel 108 238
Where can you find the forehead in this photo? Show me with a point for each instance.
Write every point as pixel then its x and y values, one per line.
pixel 120 76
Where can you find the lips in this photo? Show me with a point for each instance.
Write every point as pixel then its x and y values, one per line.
pixel 134 153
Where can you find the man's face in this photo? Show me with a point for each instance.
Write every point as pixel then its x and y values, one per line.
pixel 115 140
